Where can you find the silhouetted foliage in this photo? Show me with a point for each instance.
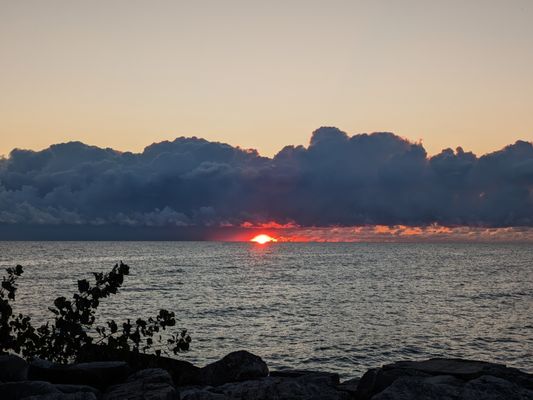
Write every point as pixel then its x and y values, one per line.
pixel 73 330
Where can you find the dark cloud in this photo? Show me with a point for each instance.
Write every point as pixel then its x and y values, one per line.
pixel 338 180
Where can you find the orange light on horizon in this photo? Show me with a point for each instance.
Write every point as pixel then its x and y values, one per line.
pixel 262 239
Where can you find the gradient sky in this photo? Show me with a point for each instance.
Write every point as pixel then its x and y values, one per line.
pixel 265 74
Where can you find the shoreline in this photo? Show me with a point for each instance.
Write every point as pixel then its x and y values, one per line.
pixel 243 375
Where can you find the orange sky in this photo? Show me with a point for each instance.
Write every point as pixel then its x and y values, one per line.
pixel 127 73
pixel 379 233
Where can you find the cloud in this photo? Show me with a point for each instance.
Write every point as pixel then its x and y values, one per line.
pixel 397 233
pixel 338 180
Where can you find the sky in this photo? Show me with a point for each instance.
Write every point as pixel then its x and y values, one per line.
pixel 262 75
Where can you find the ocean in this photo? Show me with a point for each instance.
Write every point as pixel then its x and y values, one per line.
pixel 340 307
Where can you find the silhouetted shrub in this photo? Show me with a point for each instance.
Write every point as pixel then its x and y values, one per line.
pixel 73 330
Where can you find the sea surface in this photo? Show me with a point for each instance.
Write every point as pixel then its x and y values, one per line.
pixel 342 307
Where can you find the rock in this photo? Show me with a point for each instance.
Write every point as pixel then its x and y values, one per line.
pixel 297 386
pixel 23 389
pixel 446 387
pixel 96 374
pixel 151 375
pixel 236 366
pixel 150 384
pixel 26 389
pixel 182 372
pixel 463 369
pixel 201 394
pixel 447 378
pixel 350 386
pixel 102 374
pixel 67 389
pixel 139 391
pixel 13 368
pixel 415 387
pixel 493 388
pixel 332 377
pixel 377 379
pixel 63 396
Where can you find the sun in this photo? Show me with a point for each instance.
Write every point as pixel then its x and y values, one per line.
pixel 262 239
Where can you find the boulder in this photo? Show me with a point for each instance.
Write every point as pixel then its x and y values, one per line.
pixel 463 369
pixel 447 378
pixel 23 389
pixel 151 375
pixel 41 389
pixel 68 389
pixel 446 387
pixel 150 384
pixel 423 388
pixel 294 386
pixel 493 388
pixel 350 386
pixel 377 379
pixel 236 366
pixel 182 372
pixel 64 396
pixel 97 374
pixel 202 395
pixel 332 377
pixel 13 368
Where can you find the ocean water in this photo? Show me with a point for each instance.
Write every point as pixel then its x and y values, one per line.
pixel 341 307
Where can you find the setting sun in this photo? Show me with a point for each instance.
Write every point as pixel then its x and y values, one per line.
pixel 262 239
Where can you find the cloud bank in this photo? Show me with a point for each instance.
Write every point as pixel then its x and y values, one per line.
pixel 338 180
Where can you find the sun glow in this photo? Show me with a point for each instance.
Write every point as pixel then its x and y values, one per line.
pixel 262 239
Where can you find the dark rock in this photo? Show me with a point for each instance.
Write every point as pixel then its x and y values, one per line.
pixel 311 386
pixel 413 387
pixel 23 389
pixel 350 386
pixel 367 386
pixel 463 369
pixel 201 394
pixel 236 366
pixel 443 366
pixel 97 374
pixel 67 389
pixel 297 373
pixel 493 388
pixel 182 372
pixel 446 387
pixel 64 396
pixel 108 372
pixel 377 379
pixel 40 389
pixel 150 384
pixel 13 368
pixel 151 375
pixel 436 377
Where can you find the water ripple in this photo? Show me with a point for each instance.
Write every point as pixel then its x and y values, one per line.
pixel 337 307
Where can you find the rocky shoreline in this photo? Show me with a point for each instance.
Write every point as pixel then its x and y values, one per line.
pixel 242 375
